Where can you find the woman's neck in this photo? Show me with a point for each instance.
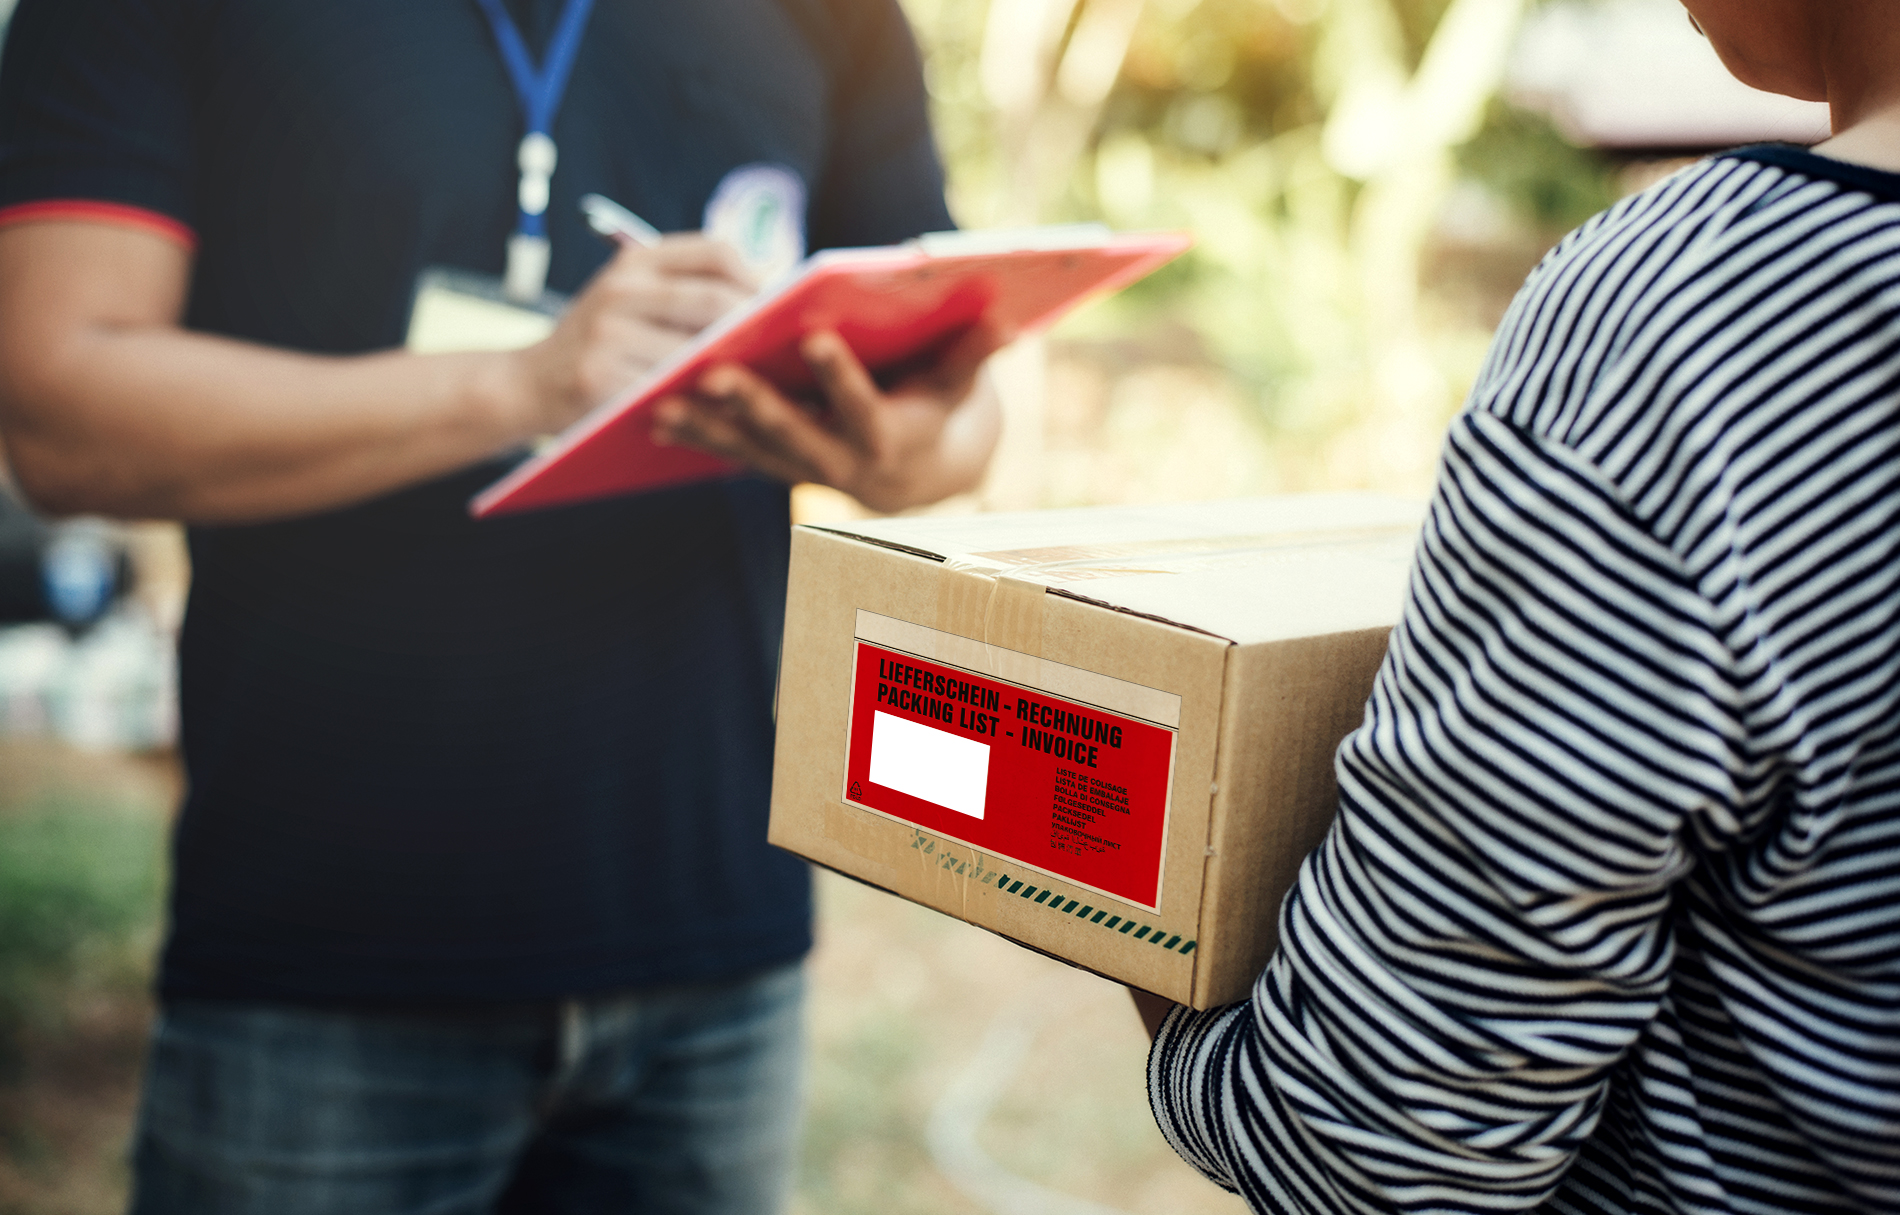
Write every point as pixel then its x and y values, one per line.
pixel 1861 59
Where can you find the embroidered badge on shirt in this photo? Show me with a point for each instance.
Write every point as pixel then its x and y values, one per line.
pixel 760 210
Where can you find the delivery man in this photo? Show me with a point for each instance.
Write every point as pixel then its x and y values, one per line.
pixel 473 908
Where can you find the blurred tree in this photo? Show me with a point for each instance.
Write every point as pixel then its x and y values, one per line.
pixel 1309 144
pixel 1549 181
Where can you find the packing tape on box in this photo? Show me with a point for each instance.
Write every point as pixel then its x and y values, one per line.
pixel 1001 611
pixel 1089 562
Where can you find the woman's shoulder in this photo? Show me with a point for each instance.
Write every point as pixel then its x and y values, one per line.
pixel 1729 262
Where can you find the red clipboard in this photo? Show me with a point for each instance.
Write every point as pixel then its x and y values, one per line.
pixel 891 305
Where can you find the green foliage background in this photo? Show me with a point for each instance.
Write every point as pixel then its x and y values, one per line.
pixel 1216 125
pixel 80 884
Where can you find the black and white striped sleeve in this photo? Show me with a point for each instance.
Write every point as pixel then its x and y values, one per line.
pixel 1484 933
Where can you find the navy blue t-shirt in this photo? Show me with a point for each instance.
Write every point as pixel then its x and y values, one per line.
pixel 434 759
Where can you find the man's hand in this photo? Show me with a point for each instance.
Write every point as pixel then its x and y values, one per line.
pixel 638 309
pixel 923 439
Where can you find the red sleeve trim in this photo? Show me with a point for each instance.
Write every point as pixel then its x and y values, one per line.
pixel 90 211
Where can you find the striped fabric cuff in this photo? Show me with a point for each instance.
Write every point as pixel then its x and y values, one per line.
pixel 85 210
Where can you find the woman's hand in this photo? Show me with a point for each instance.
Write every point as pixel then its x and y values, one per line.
pixel 1153 1009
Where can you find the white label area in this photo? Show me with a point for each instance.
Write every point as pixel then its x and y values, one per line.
pixel 942 768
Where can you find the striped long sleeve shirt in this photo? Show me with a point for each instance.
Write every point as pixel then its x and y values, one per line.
pixel 1609 920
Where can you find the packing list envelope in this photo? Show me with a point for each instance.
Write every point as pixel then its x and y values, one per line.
pixel 1071 785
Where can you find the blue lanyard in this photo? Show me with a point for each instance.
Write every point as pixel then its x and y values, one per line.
pixel 539 94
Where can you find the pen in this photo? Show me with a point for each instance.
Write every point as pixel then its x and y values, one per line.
pixel 613 221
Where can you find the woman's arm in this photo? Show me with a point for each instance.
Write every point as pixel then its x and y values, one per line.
pixel 1483 934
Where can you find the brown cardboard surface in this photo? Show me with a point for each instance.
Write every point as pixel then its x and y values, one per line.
pixel 1288 704
pixel 1115 610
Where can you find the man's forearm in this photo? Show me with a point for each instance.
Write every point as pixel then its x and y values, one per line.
pixel 108 405
pixel 229 432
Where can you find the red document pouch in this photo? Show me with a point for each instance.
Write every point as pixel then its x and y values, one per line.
pixel 1048 782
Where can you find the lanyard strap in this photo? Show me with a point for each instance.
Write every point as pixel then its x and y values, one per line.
pixel 539 93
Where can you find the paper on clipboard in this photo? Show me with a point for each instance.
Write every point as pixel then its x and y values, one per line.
pixel 892 305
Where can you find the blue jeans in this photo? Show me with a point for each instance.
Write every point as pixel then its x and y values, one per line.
pixel 681 1099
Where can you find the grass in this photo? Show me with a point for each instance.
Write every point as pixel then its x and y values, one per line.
pixel 79 898
pixel 81 877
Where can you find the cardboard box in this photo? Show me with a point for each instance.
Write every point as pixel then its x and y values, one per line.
pixel 1105 734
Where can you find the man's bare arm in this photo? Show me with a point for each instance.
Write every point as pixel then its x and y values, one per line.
pixel 107 405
